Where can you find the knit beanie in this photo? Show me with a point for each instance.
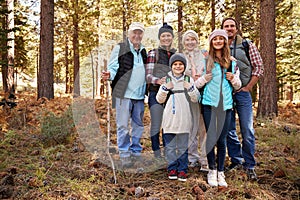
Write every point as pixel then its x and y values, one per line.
pixel 218 32
pixel 165 28
pixel 177 57
pixel 190 33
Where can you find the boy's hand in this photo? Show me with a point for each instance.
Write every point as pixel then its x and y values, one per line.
pixel 169 85
pixel 187 85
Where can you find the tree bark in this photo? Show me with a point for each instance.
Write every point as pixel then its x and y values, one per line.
pixel 180 25
pixel 213 15
pixel 67 66
pixel 45 72
pixel 76 51
pixel 268 90
pixel 11 48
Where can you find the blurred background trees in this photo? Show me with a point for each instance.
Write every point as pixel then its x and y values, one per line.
pixel 85 32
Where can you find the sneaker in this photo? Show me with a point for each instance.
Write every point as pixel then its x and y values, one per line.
pixel 182 176
pixel 233 166
pixel 251 175
pixel 204 168
pixel 212 178
pixel 126 162
pixel 221 179
pixel 194 164
pixel 172 174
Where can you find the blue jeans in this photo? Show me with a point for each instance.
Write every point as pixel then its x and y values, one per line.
pixel 177 151
pixel 129 110
pixel 216 123
pixel 156 113
pixel 243 107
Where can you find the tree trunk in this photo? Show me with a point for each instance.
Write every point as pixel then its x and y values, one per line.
pixel 45 72
pixel 238 11
pixel 4 55
pixel 76 51
pixel 11 47
pixel 180 25
pixel 268 90
pixel 213 15
pixel 124 19
pixel 67 66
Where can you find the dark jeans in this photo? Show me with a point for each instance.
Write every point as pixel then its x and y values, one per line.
pixel 156 113
pixel 177 151
pixel 216 123
pixel 245 152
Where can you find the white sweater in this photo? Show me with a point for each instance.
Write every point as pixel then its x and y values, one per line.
pixel 177 116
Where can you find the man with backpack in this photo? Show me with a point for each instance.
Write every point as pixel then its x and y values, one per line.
pixel 126 69
pixel 250 64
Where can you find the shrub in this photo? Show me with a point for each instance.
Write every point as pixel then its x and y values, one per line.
pixel 57 129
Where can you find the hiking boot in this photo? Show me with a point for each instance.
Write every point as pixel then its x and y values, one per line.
pixel 212 178
pixel 126 162
pixel 233 166
pixel 251 174
pixel 182 176
pixel 172 175
pixel 221 179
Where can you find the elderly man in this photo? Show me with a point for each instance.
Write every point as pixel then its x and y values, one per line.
pixel 127 71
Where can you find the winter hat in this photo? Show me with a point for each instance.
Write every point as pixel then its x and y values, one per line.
pixel 218 32
pixel 177 57
pixel 165 28
pixel 136 26
pixel 190 33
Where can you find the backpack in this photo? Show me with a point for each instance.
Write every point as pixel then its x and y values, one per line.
pixel 168 79
pixel 246 47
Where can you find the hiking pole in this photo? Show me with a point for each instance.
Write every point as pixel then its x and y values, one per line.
pixel 108 128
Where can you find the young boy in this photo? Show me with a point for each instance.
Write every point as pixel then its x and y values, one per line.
pixel 176 93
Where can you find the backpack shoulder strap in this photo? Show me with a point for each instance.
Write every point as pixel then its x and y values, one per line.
pixel 245 44
pixel 187 78
pixel 156 55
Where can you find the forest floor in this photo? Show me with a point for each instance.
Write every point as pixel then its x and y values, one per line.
pixel 57 149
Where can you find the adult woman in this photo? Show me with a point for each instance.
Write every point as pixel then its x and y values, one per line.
pixel 195 66
pixel 156 71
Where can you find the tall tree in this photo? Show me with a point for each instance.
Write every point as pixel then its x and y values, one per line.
pixel 11 47
pixel 268 91
pixel 45 72
pixel 213 14
pixel 180 24
pixel 76 49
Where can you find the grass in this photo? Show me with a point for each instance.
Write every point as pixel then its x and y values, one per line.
pixel 39 173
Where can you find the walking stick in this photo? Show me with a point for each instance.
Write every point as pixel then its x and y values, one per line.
pixel 108 127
